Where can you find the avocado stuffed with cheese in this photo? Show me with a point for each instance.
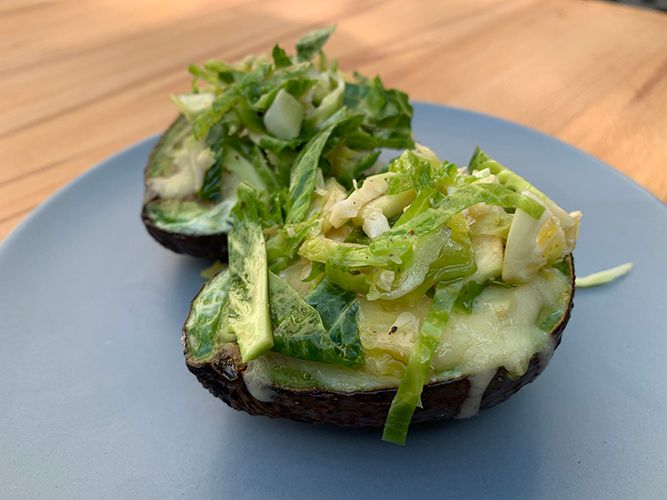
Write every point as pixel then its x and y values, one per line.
pixel 423 292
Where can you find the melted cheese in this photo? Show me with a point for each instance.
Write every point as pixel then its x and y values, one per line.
pixel 501 331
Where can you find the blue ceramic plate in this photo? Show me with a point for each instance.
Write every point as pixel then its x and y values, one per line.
pixel 96 401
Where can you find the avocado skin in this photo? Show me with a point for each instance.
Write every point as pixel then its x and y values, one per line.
pixel 222 376
pixel 211 246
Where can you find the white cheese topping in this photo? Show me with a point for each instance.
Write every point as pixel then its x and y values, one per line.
pixel 478 384
pixel 257 378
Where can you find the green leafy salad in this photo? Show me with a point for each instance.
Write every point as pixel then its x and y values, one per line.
pixel 251 121
pixel 424 272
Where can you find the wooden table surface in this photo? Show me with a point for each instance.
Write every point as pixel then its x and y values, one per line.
pixel 81 80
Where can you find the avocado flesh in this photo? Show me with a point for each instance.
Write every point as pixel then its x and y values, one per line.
pixel 189 225
pixel 276 385
pixel 159 163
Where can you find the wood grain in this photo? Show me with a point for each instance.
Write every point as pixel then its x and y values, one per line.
pixel 82 80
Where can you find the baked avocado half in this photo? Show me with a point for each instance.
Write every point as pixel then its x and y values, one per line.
pixel 188 225
pixel 426 292
pixel 252 122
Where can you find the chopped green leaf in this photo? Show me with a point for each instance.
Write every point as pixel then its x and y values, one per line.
pixel 480 160
pixel 204 121
pixel 387 114
pixel 211 190
pixel 298 330
pixel 471 194
pixel 416 372
pixel 420 169
pixel 249 315
pixel 280 57
pixel 456 259
pixel 427 198
pixel 549 317
pixel 321 249
pixel 426 250
pixel 284 116
pixel 563 266
pixel 603 277
pixel 338 309
pixel 282 246
pixel 304 176
pixel 206 324
pixel 331 103
pixel 234 161
pixel 468 294
pixel 311 43
pixel 212 270
pixel 190 105
pixel 349 279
